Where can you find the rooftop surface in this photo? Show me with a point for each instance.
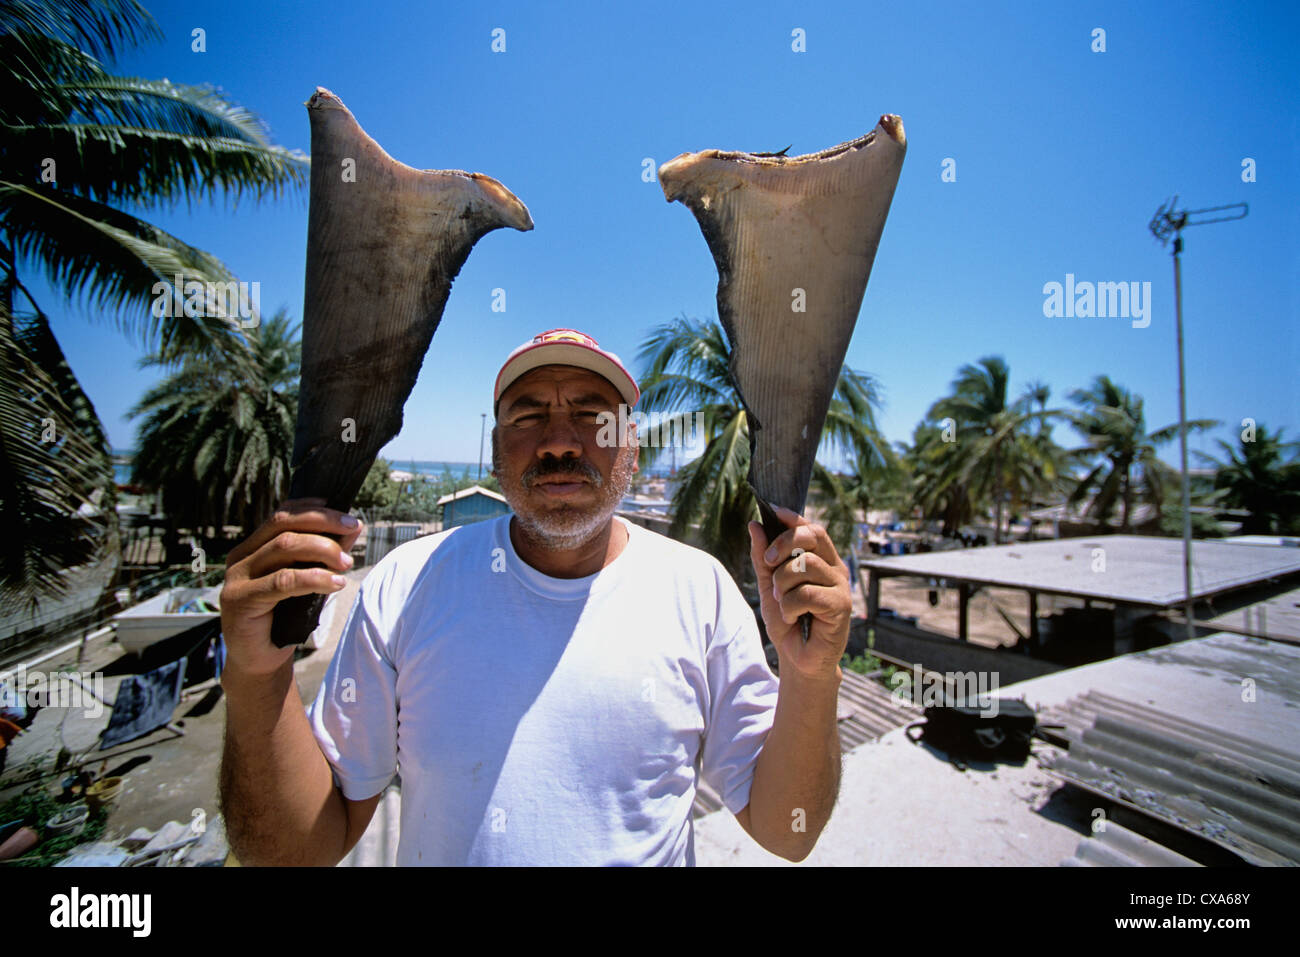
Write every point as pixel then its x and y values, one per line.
pixel 472 490
pixel 903 804
pixel 1130 569
pixel 1290 541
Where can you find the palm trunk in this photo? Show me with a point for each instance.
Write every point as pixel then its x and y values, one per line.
pixel 1123 525
pixel 997 495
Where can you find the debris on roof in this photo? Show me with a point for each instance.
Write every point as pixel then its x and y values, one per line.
pixel 1240 793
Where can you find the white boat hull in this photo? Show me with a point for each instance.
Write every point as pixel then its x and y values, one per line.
pixel 158 619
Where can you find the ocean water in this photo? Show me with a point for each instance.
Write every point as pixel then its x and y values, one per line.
pixel 434 469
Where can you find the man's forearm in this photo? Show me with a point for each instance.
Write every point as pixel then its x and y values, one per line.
pixel 797 776
pixel 277 794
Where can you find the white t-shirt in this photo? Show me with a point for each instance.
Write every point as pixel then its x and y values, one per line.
pixel 539 720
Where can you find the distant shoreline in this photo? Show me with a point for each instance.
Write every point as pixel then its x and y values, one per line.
pixel 400 469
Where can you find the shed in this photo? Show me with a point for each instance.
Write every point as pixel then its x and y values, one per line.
pixel 1138 575
pixel 473 504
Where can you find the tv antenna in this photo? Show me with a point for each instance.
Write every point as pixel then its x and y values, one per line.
pixel 1171 221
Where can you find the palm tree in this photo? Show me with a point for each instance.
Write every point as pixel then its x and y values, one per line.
pixel 936 489
pixel 1037 393
pixel 216 440
pixel 984 449
pixel 1125 463
pixel 687 363
pixel 844 499
pixel 78 147
pixel 1050 476
pixel 1257 477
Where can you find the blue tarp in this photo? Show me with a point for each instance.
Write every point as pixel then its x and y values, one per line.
pixel 144 702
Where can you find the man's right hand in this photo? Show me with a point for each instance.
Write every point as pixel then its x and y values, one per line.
pixel 258 576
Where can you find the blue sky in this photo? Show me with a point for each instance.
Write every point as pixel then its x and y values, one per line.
pixel 1061 154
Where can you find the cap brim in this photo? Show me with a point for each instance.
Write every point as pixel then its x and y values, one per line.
pixel 566 354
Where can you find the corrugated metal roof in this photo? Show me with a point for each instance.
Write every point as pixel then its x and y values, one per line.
pixel 873 710
pixel 1117 846
pixel 901 805
pixel 1242 793
pixel 1133 569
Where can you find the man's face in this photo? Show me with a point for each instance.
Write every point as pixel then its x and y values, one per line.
pixel 562 484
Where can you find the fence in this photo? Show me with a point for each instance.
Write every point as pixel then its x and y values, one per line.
pixel 382 539
pixel 93 598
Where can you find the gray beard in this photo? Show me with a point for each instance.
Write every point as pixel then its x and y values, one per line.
pixel 563 532
pixel 566 528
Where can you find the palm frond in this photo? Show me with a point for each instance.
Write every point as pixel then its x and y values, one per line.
pixel 102 27
pixel 114 163
pixel 217 438
pixel 114 260
pixel 56 483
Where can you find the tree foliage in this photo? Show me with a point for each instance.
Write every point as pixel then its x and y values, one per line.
pixel 1122 464
pixel 1262 476
pixel 687 369
pixel 79 144
pixel 217 434
pixel 978 447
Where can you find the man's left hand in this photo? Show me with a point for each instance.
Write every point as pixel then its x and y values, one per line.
pixel 813 582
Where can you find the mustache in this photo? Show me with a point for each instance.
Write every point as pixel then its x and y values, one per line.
pixel 547 467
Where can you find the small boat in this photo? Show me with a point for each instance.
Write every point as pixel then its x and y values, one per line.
pixel 166 614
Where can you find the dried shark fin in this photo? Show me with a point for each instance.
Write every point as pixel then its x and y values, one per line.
pixel 384 242
pixel 793 238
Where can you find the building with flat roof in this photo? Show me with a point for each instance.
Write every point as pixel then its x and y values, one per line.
pixel 1129 587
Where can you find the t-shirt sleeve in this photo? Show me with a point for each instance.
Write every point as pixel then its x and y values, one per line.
pixel 742 704
pixel 354 715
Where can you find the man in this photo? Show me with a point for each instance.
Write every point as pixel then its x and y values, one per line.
pixel 550 683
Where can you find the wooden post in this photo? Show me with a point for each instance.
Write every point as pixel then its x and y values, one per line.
pixel 857 573
pixel 1033 621
pixel 873 595
pixel 963 605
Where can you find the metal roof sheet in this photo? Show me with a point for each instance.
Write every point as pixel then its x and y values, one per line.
pixel 1239 792
pixel 899 804
pixel 1131 569
pixel 1117 846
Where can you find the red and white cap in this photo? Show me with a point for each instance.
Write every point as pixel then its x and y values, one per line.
pixel 566 347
